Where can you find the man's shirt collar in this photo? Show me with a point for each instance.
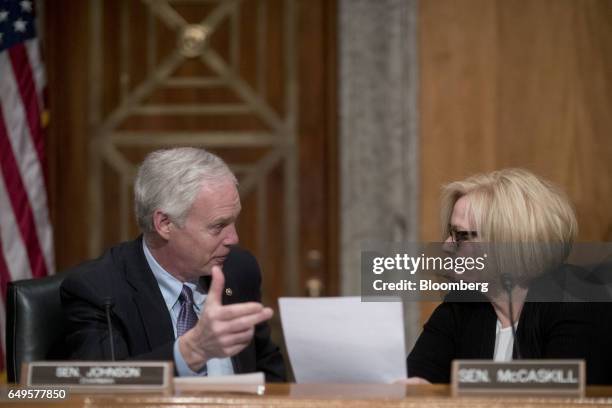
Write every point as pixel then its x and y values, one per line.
pixel 170 286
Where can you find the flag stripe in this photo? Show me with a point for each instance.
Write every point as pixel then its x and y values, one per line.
pixel 13 246
pixel 5 276
pixel 27 89
pixel 20 203
pixel 3 323
pixel 28 163
pixel 40 80
pixel 26 235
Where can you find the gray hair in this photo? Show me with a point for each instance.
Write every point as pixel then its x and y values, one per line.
pixel 170 179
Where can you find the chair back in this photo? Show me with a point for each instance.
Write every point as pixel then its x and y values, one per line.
pixel 35 327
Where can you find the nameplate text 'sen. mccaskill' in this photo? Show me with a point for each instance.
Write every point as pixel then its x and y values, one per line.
pixel 524 377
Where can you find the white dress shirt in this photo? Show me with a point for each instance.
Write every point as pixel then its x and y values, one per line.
pixel 171 289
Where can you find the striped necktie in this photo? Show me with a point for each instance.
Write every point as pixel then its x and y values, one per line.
pixel 187 317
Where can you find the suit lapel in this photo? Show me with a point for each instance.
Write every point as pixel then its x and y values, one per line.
pixel 148 298
pixel 488 318
pixel 226 300
pixel 229 283
pixel 528 331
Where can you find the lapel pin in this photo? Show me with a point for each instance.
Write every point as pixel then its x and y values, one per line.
pixel 228 291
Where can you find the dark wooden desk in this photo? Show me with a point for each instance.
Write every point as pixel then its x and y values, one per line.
pixel 330 395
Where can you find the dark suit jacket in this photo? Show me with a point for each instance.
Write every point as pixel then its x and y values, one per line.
pixel 553 329
pixel 141 323
pixel 545 330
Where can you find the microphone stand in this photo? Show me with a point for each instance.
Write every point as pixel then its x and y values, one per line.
pixel 108 304
pixel 508 285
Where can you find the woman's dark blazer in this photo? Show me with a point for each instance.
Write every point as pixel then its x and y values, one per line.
pixel 581 330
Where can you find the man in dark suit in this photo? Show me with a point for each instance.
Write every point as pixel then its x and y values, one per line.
pixel 182 291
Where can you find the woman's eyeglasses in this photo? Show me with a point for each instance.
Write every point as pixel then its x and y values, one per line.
pixel 458 236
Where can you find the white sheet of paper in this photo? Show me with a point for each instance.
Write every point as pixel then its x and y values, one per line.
pixel 344 340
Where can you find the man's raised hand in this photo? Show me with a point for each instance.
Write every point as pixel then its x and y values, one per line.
pixel 221 331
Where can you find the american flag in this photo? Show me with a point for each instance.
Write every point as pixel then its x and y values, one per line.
pixel 26 237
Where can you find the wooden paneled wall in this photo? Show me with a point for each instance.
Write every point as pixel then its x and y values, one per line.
pixel 65 49
pixel 67 41
pixel 521 83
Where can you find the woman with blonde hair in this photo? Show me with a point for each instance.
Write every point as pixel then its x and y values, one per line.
pixel 530 227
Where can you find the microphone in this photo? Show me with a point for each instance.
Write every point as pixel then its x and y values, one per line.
pixel 508 285
pixel 108 305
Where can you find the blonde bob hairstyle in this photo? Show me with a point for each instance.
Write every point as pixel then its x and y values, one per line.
pixel 527 221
